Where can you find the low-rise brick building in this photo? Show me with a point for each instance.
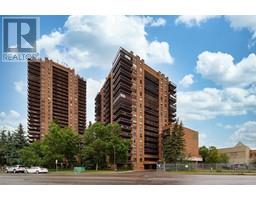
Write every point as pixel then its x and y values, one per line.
pixel 191 143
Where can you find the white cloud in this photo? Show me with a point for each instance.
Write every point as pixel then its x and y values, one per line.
pixel 220 68
pixel 238 22
pixel 236 97
pixel 187 80
pixel 93 87
pixel 92 41
pixel 11 120
pixel 226 126
pixel 193 20
pixel 246 134
pixel 158 22
pixel 211 102
pixel 20 86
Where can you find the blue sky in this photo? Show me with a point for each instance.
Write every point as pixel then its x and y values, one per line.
pixel 210 58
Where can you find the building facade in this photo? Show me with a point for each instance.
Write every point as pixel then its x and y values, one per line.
pixel 142 101
pixel 55 93
pixel 190 143
pixel 239 154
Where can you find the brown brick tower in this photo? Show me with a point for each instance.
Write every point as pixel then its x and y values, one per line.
pixel 55 93
pixel 142 101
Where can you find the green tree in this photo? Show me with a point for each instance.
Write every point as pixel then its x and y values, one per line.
pixel 33 155
pixel 117 147
pixel 167 148
pixel 20 137
pixel 203 151
pixel 103 145
pixel 95 148
pixel 211 155
pixel 3 147
pixel 180 142
pixel 10 144
pixel 174 144
pixel 223 158
pixel 61 144
pixel 12 156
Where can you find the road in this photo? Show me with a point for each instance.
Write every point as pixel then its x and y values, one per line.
pixel 125 178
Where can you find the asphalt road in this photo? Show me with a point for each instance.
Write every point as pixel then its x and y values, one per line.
pixel 125 178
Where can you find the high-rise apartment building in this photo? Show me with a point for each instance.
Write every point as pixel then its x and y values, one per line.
pixel 142 101
pixel 55 93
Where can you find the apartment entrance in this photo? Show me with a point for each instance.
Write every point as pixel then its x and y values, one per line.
pixel 149 166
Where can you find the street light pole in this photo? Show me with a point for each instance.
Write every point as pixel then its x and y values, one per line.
pixel 56 164
pixel 114 157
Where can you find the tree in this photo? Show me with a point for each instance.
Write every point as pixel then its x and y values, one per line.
pixel 95 148
pixel 103 145
pixel 167 148
pixel 33 155
pixel 174 143
pixel 61 144
pixel 203 151
pixel 10 144
pixel 3 147
pixel 117 147
pixel 90 124
pixel 12 156
pixel 211 155
pixel 180 142
pixel 19 137
pixel 223 158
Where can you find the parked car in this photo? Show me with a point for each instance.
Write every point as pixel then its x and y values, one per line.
pixel 16 169
pixel 36 170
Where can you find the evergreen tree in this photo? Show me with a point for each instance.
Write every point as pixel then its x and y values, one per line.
pixel 90 124
pixel 19 137
pixel 167 147
pixel 174 143
pixel 180 142
pixel 3 147
pixel 11 150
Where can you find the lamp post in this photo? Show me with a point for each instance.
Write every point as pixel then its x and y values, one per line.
pixel 114 157
pixel 56 164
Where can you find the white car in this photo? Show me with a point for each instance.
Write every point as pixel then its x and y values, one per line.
pixel 16 169
pixel 36 170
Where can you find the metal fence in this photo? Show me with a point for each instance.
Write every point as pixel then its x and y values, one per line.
pixel 205 167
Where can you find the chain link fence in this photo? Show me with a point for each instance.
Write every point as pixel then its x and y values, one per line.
pixel 214 167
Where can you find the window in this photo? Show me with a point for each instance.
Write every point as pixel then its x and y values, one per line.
pixel 123 95
pixel 127 57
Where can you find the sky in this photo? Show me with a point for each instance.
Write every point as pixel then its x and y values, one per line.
pixel 211 59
